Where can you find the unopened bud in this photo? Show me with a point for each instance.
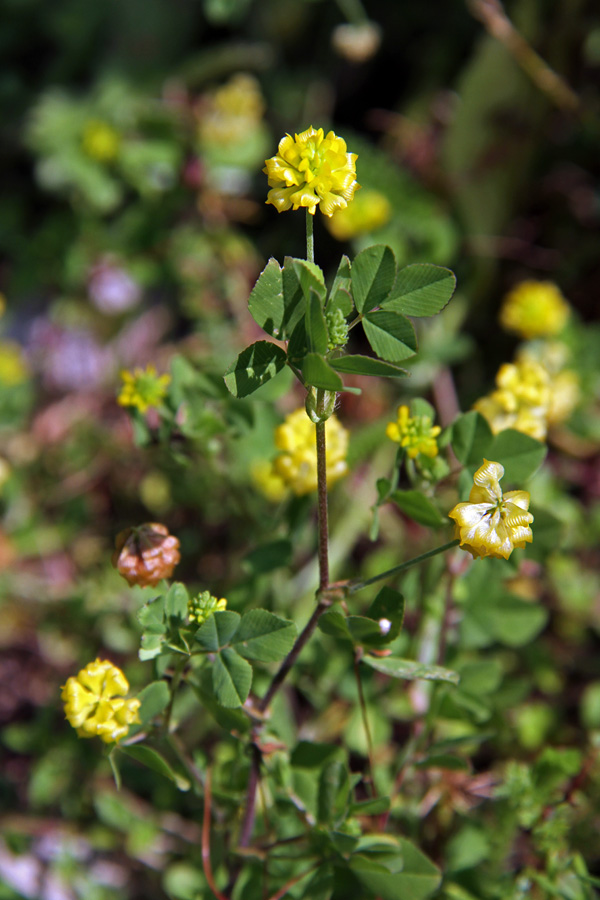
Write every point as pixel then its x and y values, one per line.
pixel 316 411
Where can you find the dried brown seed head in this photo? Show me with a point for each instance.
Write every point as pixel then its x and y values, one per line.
pixel 146 554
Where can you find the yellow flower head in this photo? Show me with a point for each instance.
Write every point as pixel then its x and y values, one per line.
pixel 268 481
pixel 13 366
pixel 231 111
pixel 521 401
pixel 534 309
pixel 202 607
pixel 95 703
pixel 564 386
pixel 490 524
pixel 100 141
pixel 369 211
pixel 296 464
pixel 143 388
pixel 311 169
pixel 415 433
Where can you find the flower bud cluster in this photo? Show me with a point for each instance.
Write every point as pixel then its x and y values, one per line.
pixel 202 607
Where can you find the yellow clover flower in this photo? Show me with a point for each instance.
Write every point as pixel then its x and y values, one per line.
pixel 312 169
pixel 268 481
pixel 565 392
pixel 522 399
pixel 100 141
pixel 202 607
pixel 95 703
pixel 296 464
pixel 143 388
pixel 415 433
pixel 534 309
pixel 490 523
pixel 369 211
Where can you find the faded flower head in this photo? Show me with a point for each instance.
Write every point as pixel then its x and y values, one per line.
pixel 490 523
pixel 232 111
pixel 296 464
pixel 415 433
pixel 534 309
pixel 202 607
pixel 95 703
pixel 146 554
pixel 521 401
pixel 143 388
pixel 312 169
pixel 370 210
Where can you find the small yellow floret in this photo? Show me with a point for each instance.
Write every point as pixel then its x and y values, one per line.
pixel 100 141
pixel 415 433
pixel 143 388
pixel 95 703
pixel 202 607
pixel 296 463
pixel 13 365
pixel 369 211
pixel 489 523
pixel 312 169
pixel 534 309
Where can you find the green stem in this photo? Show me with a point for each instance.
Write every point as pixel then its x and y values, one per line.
pixel 353 586
pixel 365 719
pixel 310 238
pixel 175 679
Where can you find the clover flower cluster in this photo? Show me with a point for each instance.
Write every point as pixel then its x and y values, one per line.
pixel 231 112
pixel 369 211
pixel 143 388
pixel 534 309
pixel 100 141
pixel 95 703
pixel 312 169
pixel 415 434
pixel 201 608
pixel 537 389
pixel 295 466
pixel 490 523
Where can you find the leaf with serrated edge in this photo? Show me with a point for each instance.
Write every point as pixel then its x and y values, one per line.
pixel 421 290
pixel 266 300
pixel 218 630
pixel 232 678
pixel 390 334
pixel 316 329
pixel 255 365
pixel 264 636
pixel 318 373
pixel 153 760
pixel 373 272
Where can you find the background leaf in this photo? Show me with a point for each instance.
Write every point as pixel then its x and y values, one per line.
pixel 409 669
pixel 419 508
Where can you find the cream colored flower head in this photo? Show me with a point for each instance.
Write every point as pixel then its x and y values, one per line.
pixel 296 463
pixel 490 523
pixel 312 169
pixel 534 309
pixel 95 703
